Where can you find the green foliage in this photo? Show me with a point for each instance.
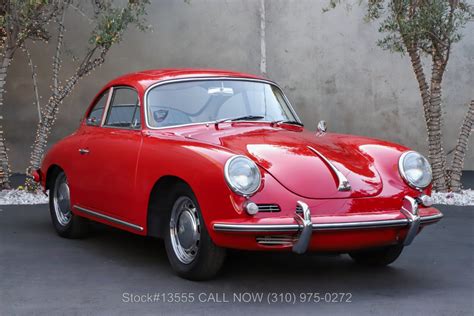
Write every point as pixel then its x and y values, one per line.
pixel 430 25
pixel 112 21
pixel 20 19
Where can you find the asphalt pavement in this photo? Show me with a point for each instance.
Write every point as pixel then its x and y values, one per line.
pixel 117 273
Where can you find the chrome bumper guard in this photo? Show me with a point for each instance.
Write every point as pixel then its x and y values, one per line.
pixel 305 227
pixel 305 235
pixel 410 210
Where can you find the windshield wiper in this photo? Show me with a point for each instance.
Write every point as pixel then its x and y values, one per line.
pixel 239 118
pixel 248 117
pixel 287 122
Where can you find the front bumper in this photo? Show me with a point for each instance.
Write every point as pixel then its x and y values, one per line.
pixel 299 232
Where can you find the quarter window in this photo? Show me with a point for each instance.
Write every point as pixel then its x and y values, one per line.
pixel 124 110
pixel 95 115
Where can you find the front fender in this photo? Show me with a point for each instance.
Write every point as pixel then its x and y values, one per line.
pixel 386 161
pixel 198 164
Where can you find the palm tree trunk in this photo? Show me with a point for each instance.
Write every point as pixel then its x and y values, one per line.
pixel 461 149
pixel 431 99
pixel 421 78
pixel 435 141
pixel 4 164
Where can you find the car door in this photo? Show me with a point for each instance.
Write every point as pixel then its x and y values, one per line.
pixel 109 157
pixel 79 187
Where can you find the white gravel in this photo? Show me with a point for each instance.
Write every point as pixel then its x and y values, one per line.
pixel 465 198
pixel 22 197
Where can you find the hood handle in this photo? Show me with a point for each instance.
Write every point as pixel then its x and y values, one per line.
pixel 343 184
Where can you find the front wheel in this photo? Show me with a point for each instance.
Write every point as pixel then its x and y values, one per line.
pixel 66 223
pixel 377 257
pixel 191 252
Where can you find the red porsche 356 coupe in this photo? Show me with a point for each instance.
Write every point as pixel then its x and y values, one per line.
pixel 210 160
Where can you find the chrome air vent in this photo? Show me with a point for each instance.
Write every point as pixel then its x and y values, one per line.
pixel 276 240
pixel 269 208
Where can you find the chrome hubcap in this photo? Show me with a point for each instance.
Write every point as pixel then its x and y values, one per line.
pixel 185 230
pixel 62 201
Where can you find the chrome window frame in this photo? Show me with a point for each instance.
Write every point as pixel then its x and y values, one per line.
pixel 107 91
pixel 210 78
pixel 109 103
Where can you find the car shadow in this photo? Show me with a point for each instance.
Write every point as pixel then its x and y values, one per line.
pixel 123 262
pixel 276 270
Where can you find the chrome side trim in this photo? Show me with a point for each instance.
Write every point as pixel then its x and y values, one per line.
pixel 109 218
pixel 217 78
pixel 343 184
pixel 231 227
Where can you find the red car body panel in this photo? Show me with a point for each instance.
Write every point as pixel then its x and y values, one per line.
pixel 118 175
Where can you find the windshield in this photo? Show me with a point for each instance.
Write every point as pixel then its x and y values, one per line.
pixel 211 100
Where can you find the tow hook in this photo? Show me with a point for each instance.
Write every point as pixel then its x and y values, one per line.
pixel 304 221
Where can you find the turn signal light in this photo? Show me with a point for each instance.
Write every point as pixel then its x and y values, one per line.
pixel 251 208
pixel 425 200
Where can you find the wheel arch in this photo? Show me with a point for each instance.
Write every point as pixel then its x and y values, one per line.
pixel 53 170
pixel 159 202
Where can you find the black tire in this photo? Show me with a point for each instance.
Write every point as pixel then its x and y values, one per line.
pixel 76 226
pixel 208 259
pixel 377 257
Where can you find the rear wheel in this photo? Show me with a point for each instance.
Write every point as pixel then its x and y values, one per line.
pixel 191 252
pixel 377 257
pixel 66 223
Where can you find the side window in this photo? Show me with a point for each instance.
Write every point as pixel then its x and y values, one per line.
pixel 95 116
pixel 124 109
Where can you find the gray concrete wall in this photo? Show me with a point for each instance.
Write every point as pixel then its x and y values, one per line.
pixel 328 64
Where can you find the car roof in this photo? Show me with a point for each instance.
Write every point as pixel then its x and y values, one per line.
pixel 146 78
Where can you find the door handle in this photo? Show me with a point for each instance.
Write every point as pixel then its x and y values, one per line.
pixel 83 151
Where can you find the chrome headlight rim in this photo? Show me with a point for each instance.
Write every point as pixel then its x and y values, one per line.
pixel 231 185
pixel 403 174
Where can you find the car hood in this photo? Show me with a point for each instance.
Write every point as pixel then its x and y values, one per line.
pixel 302 161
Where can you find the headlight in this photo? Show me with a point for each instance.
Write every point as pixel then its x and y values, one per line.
pixel 242 175
pixel 415 169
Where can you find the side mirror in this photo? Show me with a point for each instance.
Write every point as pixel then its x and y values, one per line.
pixel 322 127
pixel 91 120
